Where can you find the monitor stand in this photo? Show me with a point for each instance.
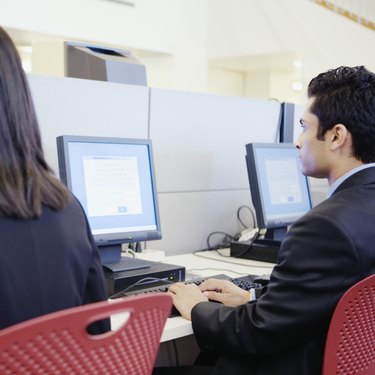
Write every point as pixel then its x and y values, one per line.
pixel 110 256
pixel 276 234
pixel 109 253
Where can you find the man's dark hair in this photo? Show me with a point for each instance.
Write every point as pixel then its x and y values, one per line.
pixel 346 96
pixel 26 180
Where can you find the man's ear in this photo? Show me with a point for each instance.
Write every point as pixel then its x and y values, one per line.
pixel 338 136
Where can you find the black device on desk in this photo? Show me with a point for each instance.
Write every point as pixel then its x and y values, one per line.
pixel 263 250
pixel 114 180
pixel 280 194
pixel 153 276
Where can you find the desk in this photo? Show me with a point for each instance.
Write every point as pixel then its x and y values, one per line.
pixel 207 263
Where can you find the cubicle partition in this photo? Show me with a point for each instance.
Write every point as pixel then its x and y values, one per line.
pixel 83 107
pixel 198 140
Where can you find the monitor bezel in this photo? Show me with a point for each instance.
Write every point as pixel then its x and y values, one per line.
pixel 115 238
pixel 257 197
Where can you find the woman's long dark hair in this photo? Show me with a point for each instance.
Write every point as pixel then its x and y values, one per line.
pixel 26 180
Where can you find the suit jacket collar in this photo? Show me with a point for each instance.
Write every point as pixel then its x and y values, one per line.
pixel 363 177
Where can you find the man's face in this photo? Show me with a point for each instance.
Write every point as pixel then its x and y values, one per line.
pixel 313 152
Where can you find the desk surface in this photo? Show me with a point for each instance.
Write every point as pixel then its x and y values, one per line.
pixel 204 264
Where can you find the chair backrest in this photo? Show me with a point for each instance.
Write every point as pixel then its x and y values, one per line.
pixel 350 344
pixel 58 343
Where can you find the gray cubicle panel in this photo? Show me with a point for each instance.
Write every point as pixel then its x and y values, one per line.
pixel 84 107
pixel 199 146
pixel 199 139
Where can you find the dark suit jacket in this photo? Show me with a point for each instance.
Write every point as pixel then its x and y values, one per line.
pixel 324 253
pixel 47 264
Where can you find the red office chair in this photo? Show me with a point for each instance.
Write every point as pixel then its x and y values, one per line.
pixel 58 343
pixel 350 344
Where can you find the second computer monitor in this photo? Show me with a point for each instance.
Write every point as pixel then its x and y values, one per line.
pixel 279 191
pixel 114 180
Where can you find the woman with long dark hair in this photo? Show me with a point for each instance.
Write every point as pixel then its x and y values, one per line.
pixel 48 258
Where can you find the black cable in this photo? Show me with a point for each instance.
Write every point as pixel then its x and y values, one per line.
pixel 221 254
pixel 141 281
pixel 226 240
pixel 138 247
pixel 240 255
pixel 252 216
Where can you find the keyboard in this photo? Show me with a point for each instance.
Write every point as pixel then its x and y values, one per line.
pixel 244 282
pixel 126 264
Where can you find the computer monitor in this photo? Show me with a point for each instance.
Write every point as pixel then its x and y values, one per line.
pixel 114 180
pixel 280 192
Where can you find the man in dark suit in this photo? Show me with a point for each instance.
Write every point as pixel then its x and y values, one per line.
pixel 323 254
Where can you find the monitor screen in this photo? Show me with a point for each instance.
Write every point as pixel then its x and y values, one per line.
pixel 279 191
pixel 114 180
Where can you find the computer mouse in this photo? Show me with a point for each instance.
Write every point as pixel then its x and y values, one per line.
pixel 262 280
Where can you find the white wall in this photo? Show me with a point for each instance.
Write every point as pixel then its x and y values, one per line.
pixel 253 28
pixel 147 25
pixel 177 40
pixel 226 82
pixel 168 36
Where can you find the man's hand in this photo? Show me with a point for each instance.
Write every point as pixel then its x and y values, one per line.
pixel 185 297
pixel 225 292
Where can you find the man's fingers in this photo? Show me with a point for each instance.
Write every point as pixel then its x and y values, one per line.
pixel 174 287
pixel 213 284
pixel 213 296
